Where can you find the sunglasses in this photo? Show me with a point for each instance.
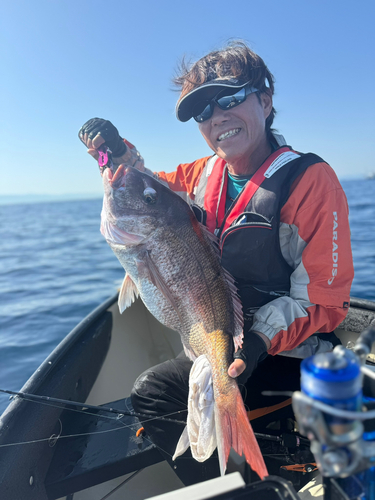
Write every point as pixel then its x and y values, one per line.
pixel 203 110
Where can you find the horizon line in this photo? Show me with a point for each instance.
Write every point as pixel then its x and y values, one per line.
pixel 13 199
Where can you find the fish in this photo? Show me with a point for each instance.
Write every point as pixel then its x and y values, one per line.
pixel 172 263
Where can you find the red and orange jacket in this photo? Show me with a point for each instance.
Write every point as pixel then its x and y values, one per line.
pixel 315 241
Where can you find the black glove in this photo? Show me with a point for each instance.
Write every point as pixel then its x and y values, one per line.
pixel 253 351
pixel 99 126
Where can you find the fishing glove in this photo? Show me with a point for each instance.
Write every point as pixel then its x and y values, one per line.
pixel 122 150
pixel 99 126
pixel 253 351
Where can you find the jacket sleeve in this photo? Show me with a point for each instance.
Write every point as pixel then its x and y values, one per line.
pixel 315 241
pixel 184 179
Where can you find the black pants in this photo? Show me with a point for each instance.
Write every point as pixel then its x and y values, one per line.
pixel 163 391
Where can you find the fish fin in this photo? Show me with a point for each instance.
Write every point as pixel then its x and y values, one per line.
pixel 158 280
pixel 128 293
pixel 233 430
pixel 237 309
pixel 116 235
pixel 212 238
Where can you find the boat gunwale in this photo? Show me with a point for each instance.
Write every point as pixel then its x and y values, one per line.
pixel 32 384
pixel 357 302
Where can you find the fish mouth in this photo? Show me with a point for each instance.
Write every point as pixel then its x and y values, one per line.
pixel 116 178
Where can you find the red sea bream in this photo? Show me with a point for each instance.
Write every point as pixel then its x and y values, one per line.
pixel 172 264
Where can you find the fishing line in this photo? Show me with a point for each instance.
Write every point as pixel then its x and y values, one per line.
pixel 278 393
pixel 47 399
pixel 115 419
pixel 64 404
pixel 276 455
pixel 243 391
pixel 76 410
pixel 53 438
pixel 60 437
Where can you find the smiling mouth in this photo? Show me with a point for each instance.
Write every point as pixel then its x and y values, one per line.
pixel 230 133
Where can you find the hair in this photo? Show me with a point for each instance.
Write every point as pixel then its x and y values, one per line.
pixel 236 60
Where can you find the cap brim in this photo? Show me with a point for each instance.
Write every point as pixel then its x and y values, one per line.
pixel 206 92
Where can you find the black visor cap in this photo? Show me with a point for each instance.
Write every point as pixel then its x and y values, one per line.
pixel 206 92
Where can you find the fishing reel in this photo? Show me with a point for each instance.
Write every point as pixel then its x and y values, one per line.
pixel 338 416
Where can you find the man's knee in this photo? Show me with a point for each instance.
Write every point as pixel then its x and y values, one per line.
pixel 143 388
pixel 162 388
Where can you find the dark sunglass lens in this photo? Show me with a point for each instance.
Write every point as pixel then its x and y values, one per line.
pixel 200 115
pixel 230 101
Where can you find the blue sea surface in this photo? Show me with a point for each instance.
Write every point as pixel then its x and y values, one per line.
pixel 361 200
pixel 55 267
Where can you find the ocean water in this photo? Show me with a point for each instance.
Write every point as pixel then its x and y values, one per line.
pixel 55 267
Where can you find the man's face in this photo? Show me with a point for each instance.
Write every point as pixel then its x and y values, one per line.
pixel 238 135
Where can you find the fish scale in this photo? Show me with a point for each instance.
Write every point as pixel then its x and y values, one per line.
pixel 172 264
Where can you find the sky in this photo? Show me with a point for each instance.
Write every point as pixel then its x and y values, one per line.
pixel 66 61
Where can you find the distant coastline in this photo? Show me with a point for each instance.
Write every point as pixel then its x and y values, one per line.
pixel 19 199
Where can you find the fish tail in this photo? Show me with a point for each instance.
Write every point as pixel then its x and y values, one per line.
pixel 233 430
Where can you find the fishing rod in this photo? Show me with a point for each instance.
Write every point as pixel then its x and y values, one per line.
pixel 120 413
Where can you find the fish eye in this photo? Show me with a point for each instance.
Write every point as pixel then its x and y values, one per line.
pixel 150 195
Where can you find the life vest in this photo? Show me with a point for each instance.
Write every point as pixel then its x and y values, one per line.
pixel 249 230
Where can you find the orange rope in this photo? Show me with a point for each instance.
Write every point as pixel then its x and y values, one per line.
pixel 310 467
pixel 260 412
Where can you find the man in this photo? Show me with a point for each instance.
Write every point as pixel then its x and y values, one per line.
pixel 282 222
